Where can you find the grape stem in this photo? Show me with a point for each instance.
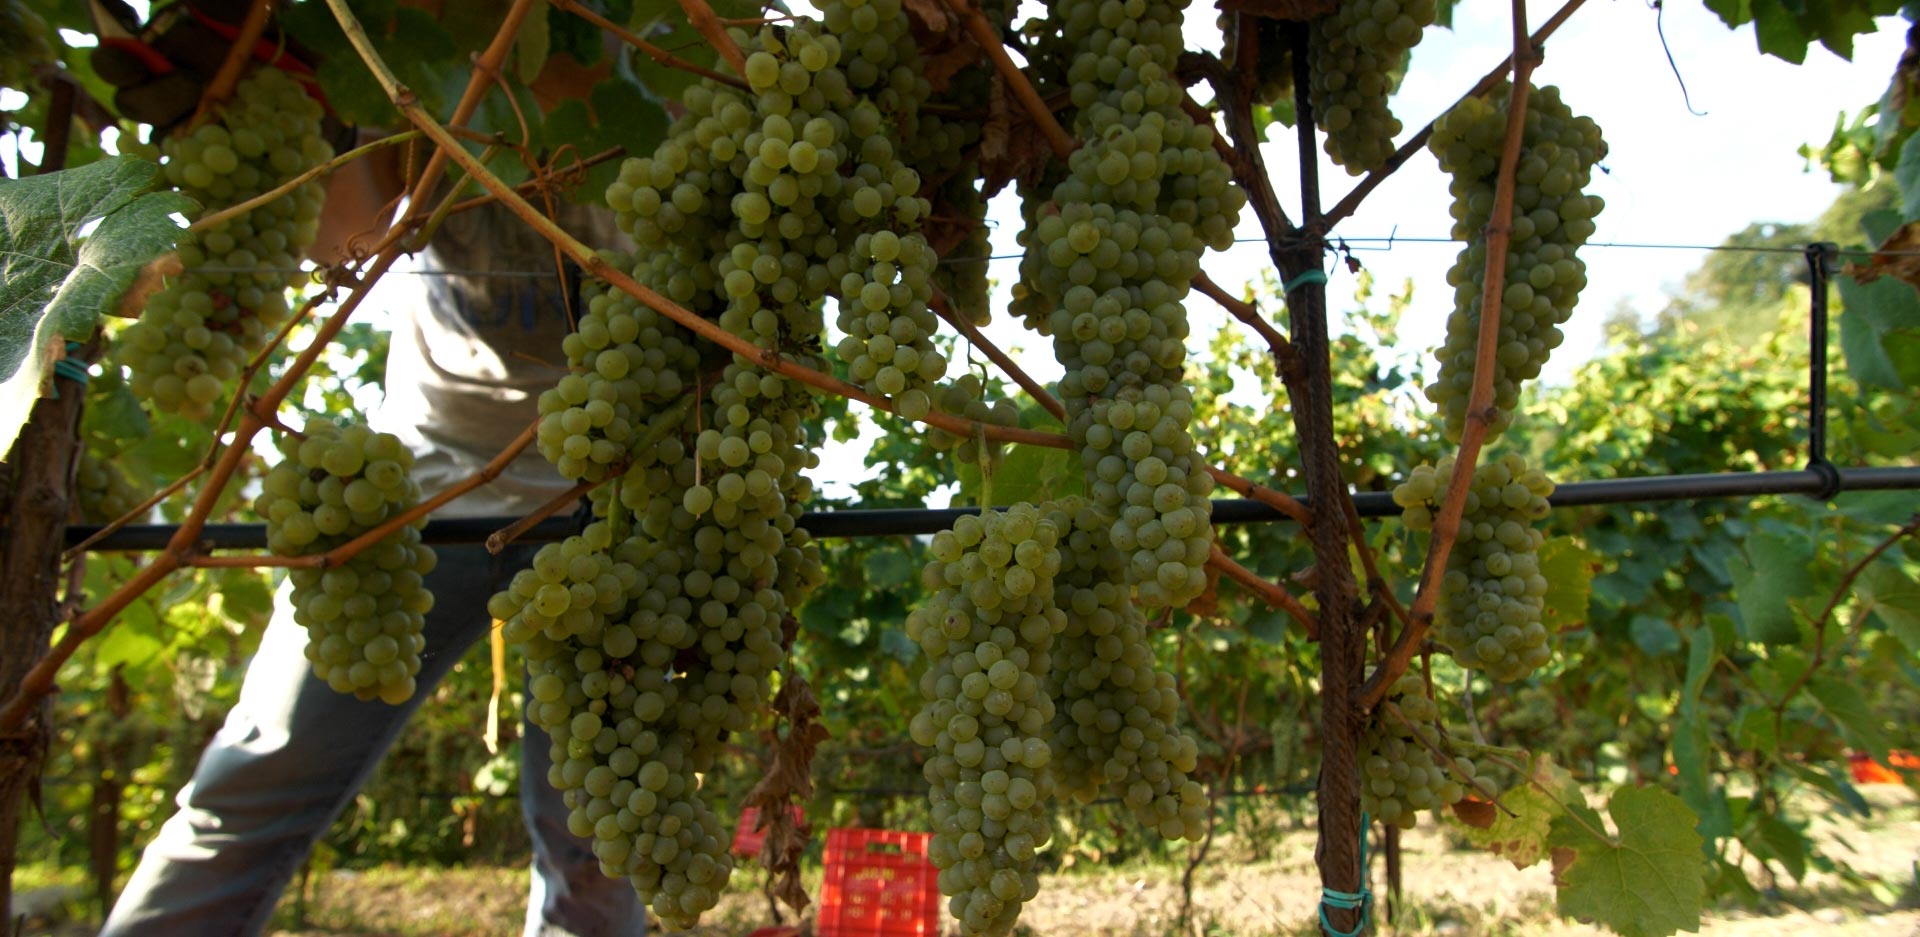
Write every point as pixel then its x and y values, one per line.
pixel 238 55
pixel 648 49
pixel 592 264
pixel 1268 591
pixel 1351 202
pixel 983 33
pixel 1034 388
pixel 224 215
pixel 1480 409
pixel 715 32
pixel 39 681
pixel 1453 767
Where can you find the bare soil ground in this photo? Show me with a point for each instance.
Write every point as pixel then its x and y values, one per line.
pixel 1448 891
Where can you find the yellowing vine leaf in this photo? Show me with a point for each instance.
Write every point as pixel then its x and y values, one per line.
pixel 1648 880
pixel 1521 837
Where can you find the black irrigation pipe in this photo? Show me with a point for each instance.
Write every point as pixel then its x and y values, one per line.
pixel 887 522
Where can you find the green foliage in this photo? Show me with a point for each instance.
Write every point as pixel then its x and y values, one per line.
pixel 71 242
pixel 1647 879
pixel 1784 28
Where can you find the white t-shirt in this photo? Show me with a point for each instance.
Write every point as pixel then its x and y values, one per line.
pixel 476 339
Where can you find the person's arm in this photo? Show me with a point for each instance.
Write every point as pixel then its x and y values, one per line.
pixel 360 201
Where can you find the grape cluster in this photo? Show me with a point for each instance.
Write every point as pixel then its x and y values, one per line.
pixel 364 618
pixel 1115 727
pixel 1108 261
pixel 102 491
pixel 965 397
pixel 1493 595
pixel 601 626
pixel 199 330
pixel 1355 60
pixel 1399 776
pixel 626 359
pixel 988 630
pixel 1551 219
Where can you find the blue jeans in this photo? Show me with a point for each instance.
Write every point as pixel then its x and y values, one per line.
pixel 293 753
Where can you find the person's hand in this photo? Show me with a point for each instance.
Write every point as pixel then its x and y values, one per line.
pixel 162 68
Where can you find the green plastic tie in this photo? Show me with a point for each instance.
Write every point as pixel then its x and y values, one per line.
pixel 73 369
pixel 1316 275
pixel 1349 900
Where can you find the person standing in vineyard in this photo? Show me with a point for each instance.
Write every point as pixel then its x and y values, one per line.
pixel 473 344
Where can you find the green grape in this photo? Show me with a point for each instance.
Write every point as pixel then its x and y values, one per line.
pixel 102 492
pixel 199 331
pixel 1355 61
pixel 1116 723
pixel 1552 218
pixel 1399 775
pixel 988 630
pixel 1110 250
pixel 364 618
pixel 1493 596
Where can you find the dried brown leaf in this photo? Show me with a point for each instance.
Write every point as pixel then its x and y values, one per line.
pixel 1011 144
pixel 1899 257
pixel 931 15
pixel 788 776
pixel 1475 812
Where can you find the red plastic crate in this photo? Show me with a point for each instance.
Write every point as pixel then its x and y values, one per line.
pixel 747 840
pixel 879 883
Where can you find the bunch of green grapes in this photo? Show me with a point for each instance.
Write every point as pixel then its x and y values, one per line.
pixel 1116 726
pixel 988 630
pixel 1399 775
pixel 1493 596
pixel 965 397
pixel 627 359
pixel 199 331
pixel 103 492
pixel 1109 258
pixel 1355 59
pixel 601 635
pixel 364 618
pixel 1551 219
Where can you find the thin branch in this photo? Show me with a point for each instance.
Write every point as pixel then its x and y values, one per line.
pixel 715 32
pixel 982 31
pixel 646 48
pixel 499 539
pixel 1005 362
pixel 1277 500
pixel 592 264
pixel 39 681
pixel 1377 582
pixel 233 211
pixel 238 56
pixel 1480 409
pixel 1840 592
pixel 1351 202
pixel 1268 591
pixel 1250 314
pixel 1452 766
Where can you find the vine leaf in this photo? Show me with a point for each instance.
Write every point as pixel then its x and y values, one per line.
pixel 1877 330
pixel 1692 743
pixel 1848 708
pixel 789 775
pixel 1521 838
pixel 1894 596
pixel 1568 569
pixel 1774 570
pixel 1026 473
pixel 59 270
pixel 1647 881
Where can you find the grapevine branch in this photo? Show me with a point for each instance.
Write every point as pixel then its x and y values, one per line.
pixel 238 55
pixel 231 212
pixel 646 48
pixel 1480 409
pixel 982 31
pixel 1415 143
pixel 715 32
pixel 1250 314
pixel 1840 591
pixel 1270 592
pixel 499 539
pixel 1005 362
pixel 39 681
